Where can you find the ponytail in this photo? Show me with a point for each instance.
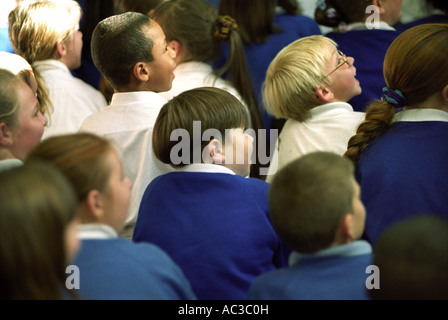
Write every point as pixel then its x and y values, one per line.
pixel 226 29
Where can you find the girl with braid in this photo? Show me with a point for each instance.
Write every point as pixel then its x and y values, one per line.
pixel 400 150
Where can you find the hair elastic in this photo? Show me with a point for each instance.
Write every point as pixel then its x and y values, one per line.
pixel 223 27
pixel 394 97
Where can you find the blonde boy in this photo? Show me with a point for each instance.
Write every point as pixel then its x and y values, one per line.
pixel 309 83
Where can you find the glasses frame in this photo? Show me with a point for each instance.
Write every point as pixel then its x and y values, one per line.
pixel 344 57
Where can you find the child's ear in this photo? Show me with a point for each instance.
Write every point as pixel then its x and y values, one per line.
pixel 379 4
pixel 95 205
pixel 445 94
pixel 346 229
pixel 61 49
pixel 324 94
pixel 175 46
pixel 6 135
pixel 213 153
pixel 141 71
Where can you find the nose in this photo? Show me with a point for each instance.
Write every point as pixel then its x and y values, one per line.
pixel 351 60
pixel 44 119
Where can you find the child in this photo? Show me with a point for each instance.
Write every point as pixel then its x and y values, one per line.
pixel 364 30
pixel 109 267
pixel 131 53
pixel 316 209
pixel 195 32
pixel 401 156
pixel 21 122
pixel 37 233
pixel 207 216
pixel 264 34
pixel 53 48
pixel 412 256
pixel 309 83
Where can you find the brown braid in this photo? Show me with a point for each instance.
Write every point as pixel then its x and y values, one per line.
pixel 378 120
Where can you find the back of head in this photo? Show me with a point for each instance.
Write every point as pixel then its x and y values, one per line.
pixel 190 22
pixel 415 66
pixel 416 63
pixel 412 257
pixel 209 108
pixel 9 98
pixel 332 13
pixel 36 205
pixel 293 76
pixel 118 43
pixel 82 157
pixel 255 27
pixel 309 198
pixel 35 27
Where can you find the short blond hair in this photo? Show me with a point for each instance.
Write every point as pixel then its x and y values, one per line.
pixel 35 27
pixel 289 90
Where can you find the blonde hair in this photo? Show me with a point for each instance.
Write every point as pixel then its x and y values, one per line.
pixel 293 76
pixel 35 27
pixel 20 67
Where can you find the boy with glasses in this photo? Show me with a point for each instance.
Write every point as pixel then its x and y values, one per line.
pixel 309 83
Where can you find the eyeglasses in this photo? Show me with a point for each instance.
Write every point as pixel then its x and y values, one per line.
pixel 344 57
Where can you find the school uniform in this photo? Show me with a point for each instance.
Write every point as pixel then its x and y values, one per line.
pixel 73 99
pixel 329 127
pixel 215 226
pixel 336 273
pixel 113 268
pixel 129 122
pixel 403 173
pixel 7 164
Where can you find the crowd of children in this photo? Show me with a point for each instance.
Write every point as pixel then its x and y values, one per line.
pixel 149 180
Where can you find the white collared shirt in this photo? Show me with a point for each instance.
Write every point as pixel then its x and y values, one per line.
pixel 203 167
pixel 195 74
pixel 73 99
pixel 96 231
pixel 382 25
pixel 128 122
pixel 422 114
pixel 328 128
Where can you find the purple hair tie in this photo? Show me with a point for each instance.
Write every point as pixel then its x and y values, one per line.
pixel 394 97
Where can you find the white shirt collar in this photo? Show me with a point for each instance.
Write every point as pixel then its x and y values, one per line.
pixel 96 231
pixel 208 168
pixel 51 63
pixel 355 248
pixel 329 107
pixel 423 114
pixel 362 26
pixel 136 97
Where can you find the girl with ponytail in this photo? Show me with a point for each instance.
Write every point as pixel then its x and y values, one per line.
pixel 401 148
